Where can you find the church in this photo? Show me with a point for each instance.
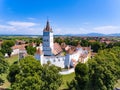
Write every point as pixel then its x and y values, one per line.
pixel 52 52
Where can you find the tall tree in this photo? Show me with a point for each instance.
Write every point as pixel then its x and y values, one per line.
pixel 51 77
pixel 81 78
pixel 30 49
pixel 104 69
pixel 3 67
pixel 30 75
pixel 103 73
pixel 6 47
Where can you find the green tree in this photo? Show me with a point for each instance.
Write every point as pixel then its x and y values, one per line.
pixel 84 43
pixel 30 75
pixel 51 77
pixel 3 67
pixel 6 47
pixel 14 70
pixel 96 46
pixel 81 78
pixel 104 69
pixel 30 50
pixel 103 72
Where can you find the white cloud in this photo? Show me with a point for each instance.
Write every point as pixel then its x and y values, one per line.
pixel 107 29
pixel 83 31
pixel 31 18
pixel 19 27
pixel 7 27
pixel 86 23
pixel 57 31
pixel 21 24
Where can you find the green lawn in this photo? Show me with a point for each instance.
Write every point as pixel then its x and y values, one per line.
pixel 10 61
pixel 6 83
pixel 69 77
pixel 66 78
pixel 118 84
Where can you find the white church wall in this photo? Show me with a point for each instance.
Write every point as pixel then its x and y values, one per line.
pixel 41 47
pixel 40 58
pixel 55 60
pixel 76 55
pixel 67 60
pixel 15 52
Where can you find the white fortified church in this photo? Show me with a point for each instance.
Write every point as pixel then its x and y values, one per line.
pixel 52 52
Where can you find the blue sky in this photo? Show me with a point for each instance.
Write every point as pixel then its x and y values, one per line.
pixel 65 16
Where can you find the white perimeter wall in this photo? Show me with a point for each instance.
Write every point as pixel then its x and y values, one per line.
pixel 15 51
pixel 55 60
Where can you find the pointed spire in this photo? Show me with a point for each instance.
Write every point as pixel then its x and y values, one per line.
pixel 48 25
pixel 47 28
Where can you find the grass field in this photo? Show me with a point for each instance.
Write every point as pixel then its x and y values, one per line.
pixel 66 78
pixel 118 84
pixel 12 59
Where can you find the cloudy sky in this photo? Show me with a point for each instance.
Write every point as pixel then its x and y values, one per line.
pixel 65 16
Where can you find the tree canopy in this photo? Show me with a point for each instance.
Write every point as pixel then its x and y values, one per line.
pixel 30 75
pixel 103 73
pixel 6 47
pixel 3 67
pixel 81 78
pixel 30 50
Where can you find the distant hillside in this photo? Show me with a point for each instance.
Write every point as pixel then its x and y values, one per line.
pixel 94 34
pixel 116 34
pixel 89 34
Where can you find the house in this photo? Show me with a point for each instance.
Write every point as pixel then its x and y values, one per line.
pixel 17 48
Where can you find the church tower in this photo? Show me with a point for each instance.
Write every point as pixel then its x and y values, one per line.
pixel 47 40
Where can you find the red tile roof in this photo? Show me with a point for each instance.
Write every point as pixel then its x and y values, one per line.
pixel 57 49
pixel 21 47
pixel 38 51
pixel 63 45
pixel 71 49
pixel 86 48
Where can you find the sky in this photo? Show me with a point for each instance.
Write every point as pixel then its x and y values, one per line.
pixel 65 16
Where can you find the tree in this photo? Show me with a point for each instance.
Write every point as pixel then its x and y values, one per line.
pixel 30 75
pixel 51 77
pixel 3 67
pixel 103 72
pixel 104 69
pixel 81 78
pixel 96 46
pixel 6 47
pixel 38 41
pixel 84 43
pixel 26 75
pixel 30 49
pixel 14 70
